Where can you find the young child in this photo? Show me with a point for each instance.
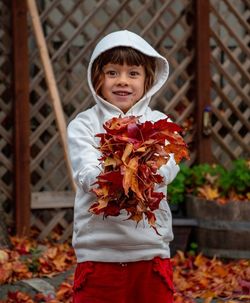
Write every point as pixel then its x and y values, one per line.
pixel 117 260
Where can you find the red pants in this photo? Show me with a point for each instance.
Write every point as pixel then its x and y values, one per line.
pixel 134 282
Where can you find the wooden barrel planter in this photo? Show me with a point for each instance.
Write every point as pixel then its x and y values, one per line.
pixel 182 228
pixel 222 230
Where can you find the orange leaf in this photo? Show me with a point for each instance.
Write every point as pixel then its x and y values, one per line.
pixel 128 150
pixel 130 172
pixel 19 297
pixel 5 272
pixel 137 217
pixel 51 252
pixel 64 291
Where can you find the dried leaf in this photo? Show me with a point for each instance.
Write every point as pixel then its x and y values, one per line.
pixel 208 192
pixel 3 257
pixel 128 150
pixel 65 291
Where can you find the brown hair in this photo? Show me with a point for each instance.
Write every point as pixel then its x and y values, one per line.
pixel 121 55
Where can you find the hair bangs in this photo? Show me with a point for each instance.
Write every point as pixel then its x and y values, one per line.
pixel 127 55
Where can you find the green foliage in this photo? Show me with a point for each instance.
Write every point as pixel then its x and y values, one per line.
pixel 177 189
pixel 32 259
pixel 193 249
pixel 240 176
pixel 202 174
pixel 189 180
pixel 236 179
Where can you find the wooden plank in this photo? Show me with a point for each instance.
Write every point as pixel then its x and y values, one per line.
pixel 43 200
pixel 202 89
pixel 224 225
pixel 185 222
pixel 226 253
pixel 21 116
pixel 52 85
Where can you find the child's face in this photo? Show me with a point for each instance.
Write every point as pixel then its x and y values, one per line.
pixel 123 85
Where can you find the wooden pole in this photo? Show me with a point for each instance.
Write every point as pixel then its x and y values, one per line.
pixel 203 81
pixel 52 86
pixel 21 117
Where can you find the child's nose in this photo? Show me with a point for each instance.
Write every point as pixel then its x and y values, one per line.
pixel 123 79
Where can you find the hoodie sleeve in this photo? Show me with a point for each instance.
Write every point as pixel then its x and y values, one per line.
pixel 170 170
pixel 83 153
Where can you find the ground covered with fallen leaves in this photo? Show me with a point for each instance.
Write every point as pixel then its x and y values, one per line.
pixel 196 278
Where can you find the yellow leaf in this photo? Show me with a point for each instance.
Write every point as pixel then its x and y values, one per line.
pixel 101 192
pixel 141 149
pixel 208 192
pixel 3 256
pixel 245 297
pixel 110 162
pixel 199 260
pixel 128 150
pixel 52 252
pixel 60 262
pixel 102 203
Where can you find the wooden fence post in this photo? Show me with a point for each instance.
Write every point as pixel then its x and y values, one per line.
pixel 21 116
pixel 203 81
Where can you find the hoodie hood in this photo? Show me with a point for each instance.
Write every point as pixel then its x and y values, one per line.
pixel 129 39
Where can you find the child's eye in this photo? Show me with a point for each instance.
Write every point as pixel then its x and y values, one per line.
pixel 111 73
pixel 134 73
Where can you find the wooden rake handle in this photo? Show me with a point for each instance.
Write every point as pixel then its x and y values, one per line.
pixel 52 86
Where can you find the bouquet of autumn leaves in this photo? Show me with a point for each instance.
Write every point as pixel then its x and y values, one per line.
pixel 131 155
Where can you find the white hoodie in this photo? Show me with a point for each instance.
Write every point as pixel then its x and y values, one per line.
pixel 114 239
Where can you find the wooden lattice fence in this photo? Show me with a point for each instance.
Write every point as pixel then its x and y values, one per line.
pixel 230 74
pixel 6 120
pixel 72 28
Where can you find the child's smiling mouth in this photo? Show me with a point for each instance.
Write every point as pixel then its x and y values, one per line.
pixel 122 93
